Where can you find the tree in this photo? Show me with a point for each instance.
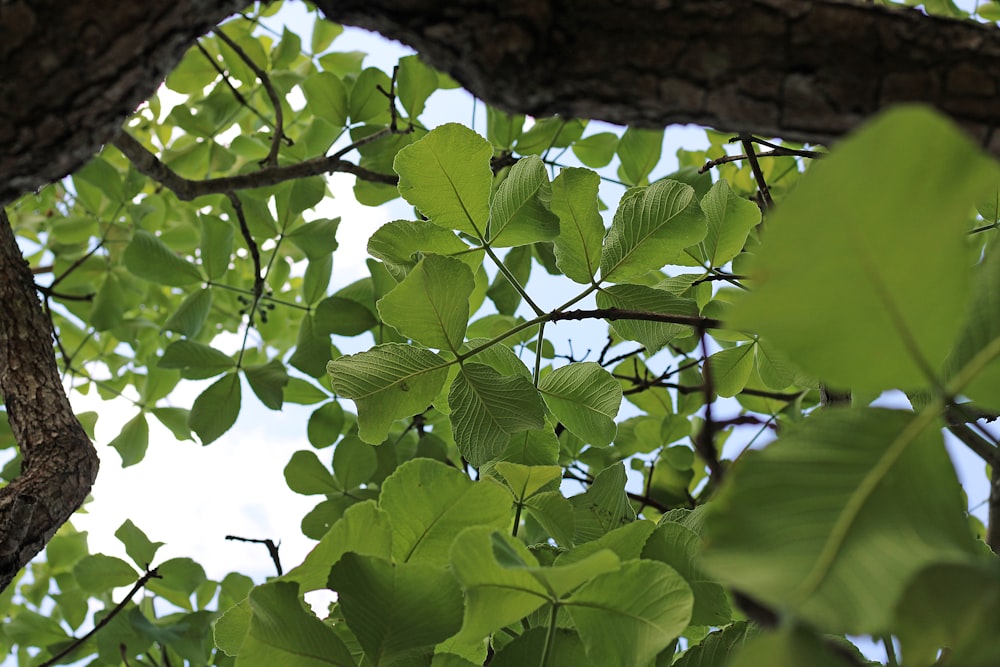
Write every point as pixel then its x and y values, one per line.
pixel 442 523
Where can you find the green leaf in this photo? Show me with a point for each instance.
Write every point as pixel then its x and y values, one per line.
pixel 628 616
pixel 312 349
pixel 730 219
pixel 396 609
pixel 402 243
pixel 519 212
pixel 363 529
pixel 185 354
pixel 151 259
pixel 526 481
pixel 326 423
pixel 316 239
pixel 283 632
pixel 354 462
pixel 303 392
pixel 326 96
pixel 978 337
pixel 190 316
pixel 715 649
pixel 502 128
pixel 652 335
pixel 730 369
pixel 109 304
pixel 133 440
pixel 447 176
pixel 585 398
pixel 268 382
pixel 317 278
pixel 138 547
pixel 790 646
pixel 680 548
pixel 882 502
pixel 566 649
pixel 555 514
pixel 947 606
pixel 415 83
pixel 388 382
pixel 306 475
pixel 424 525
pixel 216 246
pixel 651 225
pixel 98 573
pixel 581 228
pixel 323 34
pixel 487 407
pixel 176 421
pixel 179 579
pixel 215 410
pixel 603 506
pixel 639 151
pixel 368 103
pixel 342 317
pixel 431 305
pixel 839 234
pixel 596 150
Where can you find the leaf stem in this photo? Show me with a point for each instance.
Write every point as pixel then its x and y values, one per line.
pixel 550 635
pixel 511 279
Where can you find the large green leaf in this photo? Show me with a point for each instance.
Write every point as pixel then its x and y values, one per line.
pixel 790 646
pixel 603 506
pixel 388 382
pixel 396 610
pixel 447 176
pixel 652 335
pixel 628 616
pixel 431 305
pixel 730 369
pixel 429 503
pixel 363 529
pixel 326 96
pixel 585 398
pixel 877 222
pixel 951 606
pixel 639 151
pixel 581 228
pixel 487 407
pixel 150 258
pixel 680 548
pixel 651 225
pixel 975 353
pixel 283 632
pixel 133 440
pixel 833 519
pixel 519 212
pixel 401 244
pixel 416 82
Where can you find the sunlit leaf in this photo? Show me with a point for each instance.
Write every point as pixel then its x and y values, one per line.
pixel 150 258
pixel 215 410
pixel 839 233
pixel 651 225
pixel 833 519
pixel 585 398
pixel 519 212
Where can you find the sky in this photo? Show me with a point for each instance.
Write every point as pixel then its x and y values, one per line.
pixel 191 497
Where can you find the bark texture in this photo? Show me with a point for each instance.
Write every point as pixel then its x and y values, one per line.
pixel 71 71
pixel 59 464
pixel 808 71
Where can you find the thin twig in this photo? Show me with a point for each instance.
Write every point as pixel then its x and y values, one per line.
pixel 272 157
pixel 149 574
pixel 236 93
pixel 272 549
pixel 751 155
pixel 704 441
pixel 642 315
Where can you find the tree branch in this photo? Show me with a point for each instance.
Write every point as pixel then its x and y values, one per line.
pixel 187 189
pixel 805 71
pixel 59 462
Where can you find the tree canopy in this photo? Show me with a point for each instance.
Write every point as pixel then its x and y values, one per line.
pixel 486 494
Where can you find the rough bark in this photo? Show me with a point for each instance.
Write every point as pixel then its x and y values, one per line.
pixel 71 71
pixel 808 71
pixel 59 464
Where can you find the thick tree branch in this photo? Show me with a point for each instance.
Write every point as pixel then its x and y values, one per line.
pixel 71 71
pixel 801 70
pixel 59 463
